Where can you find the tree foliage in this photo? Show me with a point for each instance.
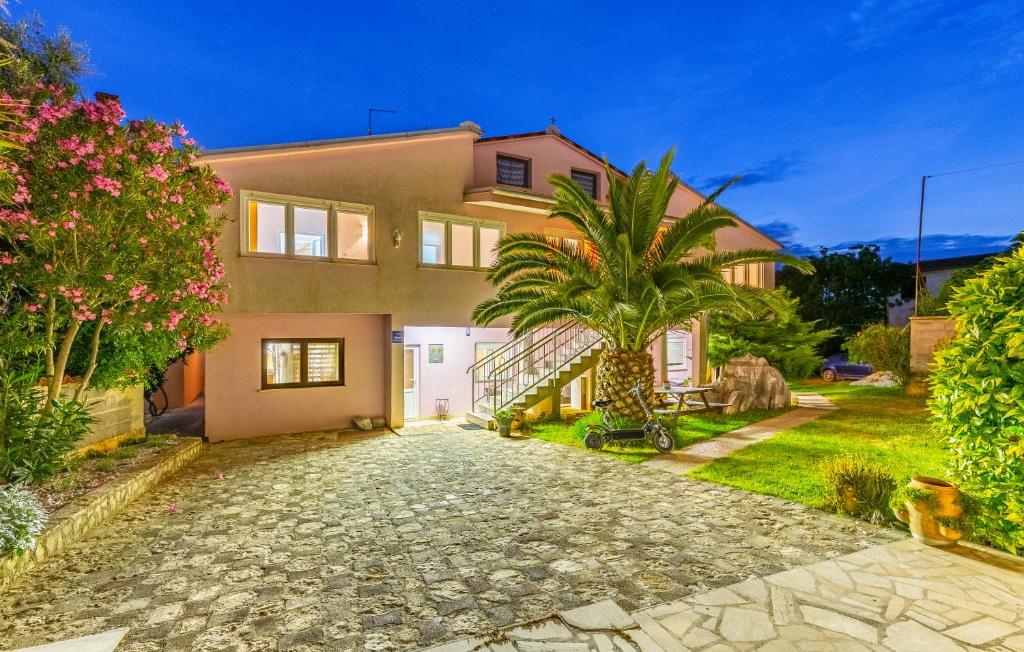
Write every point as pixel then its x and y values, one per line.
pixel 108 238
pixel 885 348
pixel 977 398
pixel 36 57
pixel 848 290
pixel 779 335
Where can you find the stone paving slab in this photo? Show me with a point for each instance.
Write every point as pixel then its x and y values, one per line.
pixel 899 597
pixel 333 541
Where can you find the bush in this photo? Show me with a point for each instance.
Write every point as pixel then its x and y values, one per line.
pixel 886 348
pixel 977 399
pixel 789 343
pixel 21 519
pixel 869 486
pixel 33 440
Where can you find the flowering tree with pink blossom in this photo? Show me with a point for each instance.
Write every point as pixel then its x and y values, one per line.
pixel 108 237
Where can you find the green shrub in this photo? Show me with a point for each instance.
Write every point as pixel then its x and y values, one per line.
pixel 977 399
pixel 107 464
pixel 885 348
pixel 871 486
pixel 34 441
pixel 123 453
pixel 21 519
pixel 789 343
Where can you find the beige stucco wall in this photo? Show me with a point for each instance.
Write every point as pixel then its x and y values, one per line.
pixel 236 407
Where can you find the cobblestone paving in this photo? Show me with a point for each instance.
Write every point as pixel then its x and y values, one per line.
pixel 392 542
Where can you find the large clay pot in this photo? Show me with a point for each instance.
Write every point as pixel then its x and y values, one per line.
pixel 920 514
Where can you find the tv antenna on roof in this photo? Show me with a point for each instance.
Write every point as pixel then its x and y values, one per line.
pixel 369 118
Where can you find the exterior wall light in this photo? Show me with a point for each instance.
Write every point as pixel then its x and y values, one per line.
pixel 396 238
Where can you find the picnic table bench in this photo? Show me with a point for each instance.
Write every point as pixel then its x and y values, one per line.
pixel 681 397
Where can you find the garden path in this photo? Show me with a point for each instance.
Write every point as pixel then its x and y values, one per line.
pixel 810 406
pixel 899 597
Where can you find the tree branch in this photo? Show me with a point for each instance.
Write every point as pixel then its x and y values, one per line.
pixel 94 349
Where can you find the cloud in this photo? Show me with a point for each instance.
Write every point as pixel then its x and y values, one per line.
pixel 899 248
pixel 777 169
pixel 935 246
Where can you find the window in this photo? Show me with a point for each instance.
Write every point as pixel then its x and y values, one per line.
pixel 435 353
pixel 303 363
pixel 513 171
pixel 306 228
pixel 453 241
pixel 267 228
pixel 588 180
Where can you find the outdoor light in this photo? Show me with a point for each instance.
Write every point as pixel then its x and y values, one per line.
pixel 467 331
pixel 396 237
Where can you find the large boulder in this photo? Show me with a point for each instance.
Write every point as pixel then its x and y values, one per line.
pixel 748 383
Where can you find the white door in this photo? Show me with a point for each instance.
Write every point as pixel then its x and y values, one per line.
pixel 412 382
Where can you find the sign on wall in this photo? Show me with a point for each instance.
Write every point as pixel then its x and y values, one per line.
pixel 398 337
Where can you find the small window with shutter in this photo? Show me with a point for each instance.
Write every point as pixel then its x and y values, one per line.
pixel 588 181
pixel 513 171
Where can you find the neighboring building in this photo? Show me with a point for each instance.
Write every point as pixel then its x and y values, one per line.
pixel 935 272
pixel 354 265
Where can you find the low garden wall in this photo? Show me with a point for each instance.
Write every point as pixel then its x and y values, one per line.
pixel 926 335
pixel 119 414
pixel 70 523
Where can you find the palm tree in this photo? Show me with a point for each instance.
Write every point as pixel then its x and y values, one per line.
pixel 637 274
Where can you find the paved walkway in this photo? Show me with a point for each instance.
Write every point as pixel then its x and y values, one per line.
pixel 810 406
pixel 333 541
pixel 901 597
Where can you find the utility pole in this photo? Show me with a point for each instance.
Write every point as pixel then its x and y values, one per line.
pixel 920 234
pixel 369 118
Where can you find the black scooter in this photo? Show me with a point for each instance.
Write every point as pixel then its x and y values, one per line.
pixel 654 431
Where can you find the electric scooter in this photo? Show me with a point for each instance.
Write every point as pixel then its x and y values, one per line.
pixel 653 430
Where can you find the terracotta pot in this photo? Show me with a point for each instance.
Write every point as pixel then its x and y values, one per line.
pixel 920 516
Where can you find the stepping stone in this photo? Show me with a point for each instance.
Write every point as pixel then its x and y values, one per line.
pixel 604 615
pixel 102 642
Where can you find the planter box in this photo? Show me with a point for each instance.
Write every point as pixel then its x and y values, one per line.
pixel 70 523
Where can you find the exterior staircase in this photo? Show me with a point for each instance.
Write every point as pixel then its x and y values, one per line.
pixel 529 369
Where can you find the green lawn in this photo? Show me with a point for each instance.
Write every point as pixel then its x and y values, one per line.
pixel 690 430
pixel 888 427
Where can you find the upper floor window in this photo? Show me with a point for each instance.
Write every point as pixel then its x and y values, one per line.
pixel 306 228
pixel 513 171
pixel 453 241
pixel 588 180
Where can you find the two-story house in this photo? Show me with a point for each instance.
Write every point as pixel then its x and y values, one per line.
pixel 354 265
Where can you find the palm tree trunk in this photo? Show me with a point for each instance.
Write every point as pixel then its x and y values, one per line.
pixel 618 371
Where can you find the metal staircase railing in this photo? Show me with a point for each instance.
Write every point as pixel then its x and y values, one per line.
pixel 511 371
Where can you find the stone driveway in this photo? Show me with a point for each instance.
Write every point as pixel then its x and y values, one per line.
pixel 335 542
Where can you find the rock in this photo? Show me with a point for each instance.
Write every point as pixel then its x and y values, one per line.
pixel 880 379
pixel 379 422
pixel 363 423
pixel 749 382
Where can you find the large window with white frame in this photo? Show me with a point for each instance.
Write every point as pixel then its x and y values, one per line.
pixel 454 241
pixel 310 229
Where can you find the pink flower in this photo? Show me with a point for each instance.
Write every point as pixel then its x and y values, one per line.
pixel 33 307
pixel 172 508
pixel 106 183
pixel 148 326
pixel 143 241
pixel 109 277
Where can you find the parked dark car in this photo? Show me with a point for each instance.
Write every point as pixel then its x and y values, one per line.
pixel 839 367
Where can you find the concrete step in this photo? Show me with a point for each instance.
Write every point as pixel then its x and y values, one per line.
pixel 481 419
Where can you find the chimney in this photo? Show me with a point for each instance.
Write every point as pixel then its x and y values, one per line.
pixel 107 97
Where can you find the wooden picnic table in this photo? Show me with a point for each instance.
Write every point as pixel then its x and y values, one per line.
pixel 680 394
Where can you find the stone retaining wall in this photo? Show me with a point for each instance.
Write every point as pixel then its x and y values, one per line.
pixel 71 523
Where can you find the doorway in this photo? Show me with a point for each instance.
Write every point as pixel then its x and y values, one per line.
pixel 412 382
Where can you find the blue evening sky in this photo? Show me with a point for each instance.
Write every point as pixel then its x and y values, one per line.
pixel 832 110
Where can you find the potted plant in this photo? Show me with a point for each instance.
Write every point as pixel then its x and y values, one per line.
pixel 504 419
pixel 931 509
